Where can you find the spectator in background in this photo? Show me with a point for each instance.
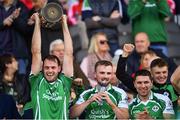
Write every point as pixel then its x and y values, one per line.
pixel 104 101
pixel 8 108
pixel 102 16
pixel 98 50
pixel 78 26
pixel 142 44
pixel 12 33
pixel 149 17
pixel 147 104
pixel 50 89
pixel 12 83
pixel 146 59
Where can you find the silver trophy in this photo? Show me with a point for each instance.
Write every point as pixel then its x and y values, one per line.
pixel 51 14
pixel 101 89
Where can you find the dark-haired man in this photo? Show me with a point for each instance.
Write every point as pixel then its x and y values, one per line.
pixel 103 101
pixel 159 71
pixel 147 104
pixel 50 89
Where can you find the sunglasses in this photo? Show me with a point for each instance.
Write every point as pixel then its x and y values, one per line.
pixel 103 42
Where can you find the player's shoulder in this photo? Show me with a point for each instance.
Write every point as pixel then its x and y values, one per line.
pixel 119 90
pixel 161 97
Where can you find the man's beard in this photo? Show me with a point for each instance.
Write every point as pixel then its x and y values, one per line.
pixel 104 83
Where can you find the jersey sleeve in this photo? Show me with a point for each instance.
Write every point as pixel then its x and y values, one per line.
pixel 81 99
pixel 123 103
pixel 169 106
pixel 84 96
pixel 66 80
pixel 34 80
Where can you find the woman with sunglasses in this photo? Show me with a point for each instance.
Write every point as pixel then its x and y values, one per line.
pixel 98 50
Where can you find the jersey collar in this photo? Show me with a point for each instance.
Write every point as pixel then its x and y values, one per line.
pixel 150 97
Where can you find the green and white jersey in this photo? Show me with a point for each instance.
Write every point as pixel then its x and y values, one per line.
pixel 103 111
pixel 156 106
pixel 50 100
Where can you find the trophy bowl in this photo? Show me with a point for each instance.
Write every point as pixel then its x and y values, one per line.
pixel 51 14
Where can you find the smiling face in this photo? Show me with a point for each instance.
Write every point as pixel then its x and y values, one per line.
pixel 160 74
pixel 51 70
pixel 103 74
pixel 143 85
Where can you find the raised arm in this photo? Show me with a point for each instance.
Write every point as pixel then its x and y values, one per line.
pixel 121 73
pixel 68 49
pixel 175 79
pixel 36 46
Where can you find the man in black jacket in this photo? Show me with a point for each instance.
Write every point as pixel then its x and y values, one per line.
pixel 142 44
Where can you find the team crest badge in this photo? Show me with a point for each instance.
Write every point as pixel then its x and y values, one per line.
pixel 155 108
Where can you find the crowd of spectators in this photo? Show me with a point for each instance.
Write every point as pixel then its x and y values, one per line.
pixel 41 79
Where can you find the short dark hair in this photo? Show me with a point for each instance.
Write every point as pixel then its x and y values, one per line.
pixel 5 59
pixel 158 62
pixel 143 72
pixel 52 58
pixel 102 62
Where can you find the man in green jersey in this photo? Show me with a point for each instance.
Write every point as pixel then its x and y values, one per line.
pixel 103 101
pixel 149 105
pixel 50 89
